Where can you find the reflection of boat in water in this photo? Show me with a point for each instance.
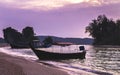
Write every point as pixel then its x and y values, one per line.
pixel 44 55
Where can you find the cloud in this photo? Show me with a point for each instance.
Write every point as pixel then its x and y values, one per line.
pixel 53 4
pixel 39 4
pixel 67 21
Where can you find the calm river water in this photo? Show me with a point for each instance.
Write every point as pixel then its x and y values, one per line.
pixel 100 60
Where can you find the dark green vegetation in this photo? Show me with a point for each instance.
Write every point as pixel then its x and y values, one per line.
pixel 104 31
pixel 17 39
pixel 48 40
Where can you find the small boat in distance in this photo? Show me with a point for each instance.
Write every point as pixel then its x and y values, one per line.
pixel 44 55
pixel 63 43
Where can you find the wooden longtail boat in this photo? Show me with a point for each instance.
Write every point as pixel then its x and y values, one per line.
pixel 44 55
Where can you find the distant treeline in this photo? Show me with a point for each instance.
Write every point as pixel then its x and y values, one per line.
pixel 85 41
pixel 104 31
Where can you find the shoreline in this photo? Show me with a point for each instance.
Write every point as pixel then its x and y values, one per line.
pixel 10 65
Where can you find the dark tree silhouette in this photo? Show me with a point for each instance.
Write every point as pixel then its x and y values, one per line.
pixel 12 35
pixel 48 40
pixel 104 31
pixel 16 39
pixel 28 33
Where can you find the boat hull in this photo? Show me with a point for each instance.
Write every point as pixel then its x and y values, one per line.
pixel 19 46
pixel 59 56
pixel 43 55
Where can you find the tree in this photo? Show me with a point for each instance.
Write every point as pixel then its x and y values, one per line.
pixel 12 35
pixel 16 39
pixel 48 40
pixel 118 31
pixel 104 30
pixel 28 33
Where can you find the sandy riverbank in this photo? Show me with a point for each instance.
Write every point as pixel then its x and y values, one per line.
pixel 18 66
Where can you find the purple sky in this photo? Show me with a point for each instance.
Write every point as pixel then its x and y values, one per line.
pixel 64 19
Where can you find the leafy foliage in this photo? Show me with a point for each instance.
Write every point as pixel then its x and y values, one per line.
pixel 48 40
pixel 104 31
pixel 28 33
pixel 13 36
